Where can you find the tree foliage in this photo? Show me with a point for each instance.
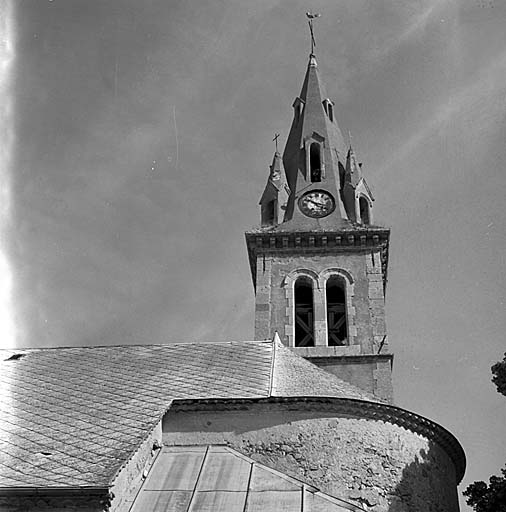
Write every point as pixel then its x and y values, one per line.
pixel 491 497
pixel 488 498
pixel 499 375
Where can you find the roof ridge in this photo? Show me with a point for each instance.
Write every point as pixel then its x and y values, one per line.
pixel 128 345
pixel 275 341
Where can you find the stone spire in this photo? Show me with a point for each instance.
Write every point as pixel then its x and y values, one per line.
pixel 353 173
pixel 274 198
pixel 357 196
pixel 320 273
pixel 315 151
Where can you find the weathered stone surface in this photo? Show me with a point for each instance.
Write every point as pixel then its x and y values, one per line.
pixel 381 465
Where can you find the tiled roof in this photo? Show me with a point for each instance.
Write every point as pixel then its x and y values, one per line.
pixel 73 416
pixel 294 376
pixel 204 478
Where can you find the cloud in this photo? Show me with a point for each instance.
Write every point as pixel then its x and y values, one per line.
pixel 7 57
pixel 416 25
pixel 475 101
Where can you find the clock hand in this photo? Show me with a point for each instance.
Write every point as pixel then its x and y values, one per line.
pixel 319 205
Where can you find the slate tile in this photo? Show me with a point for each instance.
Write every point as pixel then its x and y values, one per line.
pixel 94 405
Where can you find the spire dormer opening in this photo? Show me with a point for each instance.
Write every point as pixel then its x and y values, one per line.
pixel 365 217
pixel 269 213
pixel 298 106
pixel 315 163
pixel 328 106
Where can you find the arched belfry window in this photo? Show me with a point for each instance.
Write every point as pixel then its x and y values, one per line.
pixel 364 211
pixel 304 312
pixel 337 329
pixel 315 162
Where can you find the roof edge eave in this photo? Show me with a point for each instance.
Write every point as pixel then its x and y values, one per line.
pixel 55 491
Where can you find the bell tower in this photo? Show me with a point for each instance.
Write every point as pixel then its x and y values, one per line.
pixel 318 261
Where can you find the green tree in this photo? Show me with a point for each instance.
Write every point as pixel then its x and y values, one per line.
pixel 491 497
pixel 499 375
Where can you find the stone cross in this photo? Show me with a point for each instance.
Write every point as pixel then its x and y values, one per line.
pixel 275 140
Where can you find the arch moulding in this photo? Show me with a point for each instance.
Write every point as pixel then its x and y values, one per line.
pixel 319 282
pixel 289 285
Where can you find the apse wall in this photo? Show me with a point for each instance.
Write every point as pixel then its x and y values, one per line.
pixel 353 456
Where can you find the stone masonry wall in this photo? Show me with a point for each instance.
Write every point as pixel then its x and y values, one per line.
pixel 365 311
pixel 373 374
pixel 378 464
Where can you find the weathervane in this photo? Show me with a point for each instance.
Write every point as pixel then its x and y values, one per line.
pixel 275 140
pixel 311 16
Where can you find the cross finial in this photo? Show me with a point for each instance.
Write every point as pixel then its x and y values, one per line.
pixel 311 16
pixel 349 138
pixel 275 140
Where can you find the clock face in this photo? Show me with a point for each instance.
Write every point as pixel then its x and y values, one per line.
pixel 317 203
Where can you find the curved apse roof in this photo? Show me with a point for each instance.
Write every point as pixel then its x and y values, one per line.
pixel 73 416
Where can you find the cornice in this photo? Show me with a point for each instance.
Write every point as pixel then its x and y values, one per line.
pixel 384 356
pixel 347 406
pixel 30 498
pixel 341 238
pixel 317 242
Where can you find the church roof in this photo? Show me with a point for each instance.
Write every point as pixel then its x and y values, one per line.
pixel 353 173
pixel 294 376
pixel 72 417
pixel 203 478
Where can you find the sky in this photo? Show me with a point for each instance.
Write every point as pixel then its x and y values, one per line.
pixel 135 144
